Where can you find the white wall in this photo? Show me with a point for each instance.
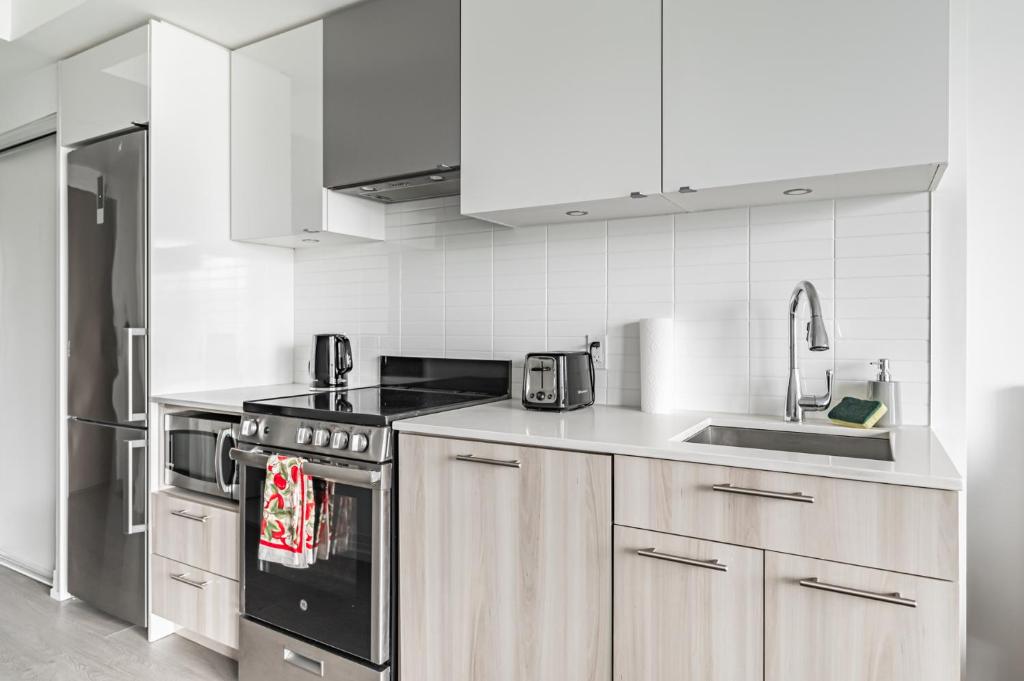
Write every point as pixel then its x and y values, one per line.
pixel 995 330
pixel 28 348
pixel 446 285
pixel 220 311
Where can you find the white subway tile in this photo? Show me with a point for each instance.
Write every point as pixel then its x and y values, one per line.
pixel 798 211
pixel 879 205
pixel 712 219
pixel 883 266
pixel 872 246
pixel 883 225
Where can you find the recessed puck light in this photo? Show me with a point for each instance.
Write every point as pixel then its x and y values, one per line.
pixel 437 178
pixel 576 213
pixel 798 191
pixel 311 241
pixel 368 188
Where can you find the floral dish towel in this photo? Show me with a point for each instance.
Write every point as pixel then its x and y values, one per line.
pixel 287 530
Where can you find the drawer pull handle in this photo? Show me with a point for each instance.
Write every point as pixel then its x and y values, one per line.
pixel 895 598
pixel 785 496
pixel 491 462
pixel 191 516
pixel 183 578
pixel 306 664
pixel 713 564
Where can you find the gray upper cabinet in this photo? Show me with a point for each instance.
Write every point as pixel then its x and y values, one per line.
pixel 391 98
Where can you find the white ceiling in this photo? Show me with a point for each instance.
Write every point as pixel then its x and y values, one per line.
pixel 231 23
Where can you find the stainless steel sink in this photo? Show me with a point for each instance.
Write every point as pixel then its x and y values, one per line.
pixel 875 448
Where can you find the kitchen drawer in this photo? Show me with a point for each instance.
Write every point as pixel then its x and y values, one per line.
pixel 826 620
pixel 196 600
pixel 268 654
pixel 203 535
pixel 906 529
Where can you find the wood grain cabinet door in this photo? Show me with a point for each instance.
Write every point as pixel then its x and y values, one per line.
pixel 839 622
pixel 504 563
pixel 686 609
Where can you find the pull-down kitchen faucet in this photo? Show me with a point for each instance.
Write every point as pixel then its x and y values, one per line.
pixel 817 338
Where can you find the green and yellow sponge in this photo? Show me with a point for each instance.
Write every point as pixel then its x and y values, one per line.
pixel 857 413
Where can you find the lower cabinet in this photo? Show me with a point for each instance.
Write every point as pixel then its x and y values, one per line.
pixel 839 622
pixel 505 562
pixel 197 600
pixel 686 609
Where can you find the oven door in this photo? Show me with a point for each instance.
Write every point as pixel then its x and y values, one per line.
pixel 343 600
pixel 196 455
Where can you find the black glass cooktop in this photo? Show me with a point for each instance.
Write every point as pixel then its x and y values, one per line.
pixel 376 406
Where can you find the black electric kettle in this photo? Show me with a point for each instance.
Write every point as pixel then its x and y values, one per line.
pixel 330 360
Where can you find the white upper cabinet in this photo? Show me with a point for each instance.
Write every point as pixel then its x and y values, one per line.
pixel 835 96
pixel 105 89
pixel 561 109
pixel 277 194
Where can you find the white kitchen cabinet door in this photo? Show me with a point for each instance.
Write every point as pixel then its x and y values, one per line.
pixel 277 139
pixel 840 622
pixel 561 108
pixel 105 89
pixel 846 97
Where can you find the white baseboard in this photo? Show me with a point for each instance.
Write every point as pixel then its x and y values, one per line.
pixel 30 571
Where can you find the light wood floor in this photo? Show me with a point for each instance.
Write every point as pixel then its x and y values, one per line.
pixel 46 640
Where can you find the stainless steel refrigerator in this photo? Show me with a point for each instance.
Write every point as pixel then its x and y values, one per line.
pixel 107 388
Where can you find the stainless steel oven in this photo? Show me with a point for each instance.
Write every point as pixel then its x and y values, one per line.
pixel 196 452
pixel 342 602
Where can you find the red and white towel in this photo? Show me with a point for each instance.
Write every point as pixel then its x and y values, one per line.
pixel 289 531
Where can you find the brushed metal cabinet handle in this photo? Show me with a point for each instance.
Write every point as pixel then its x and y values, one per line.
pixel 306 664
pixel 514 463
pixel 183 578
pixel 130 526
pixel 130 335
pixel 767 494
pixel 713 564
pixel 182 513
pixel 896 598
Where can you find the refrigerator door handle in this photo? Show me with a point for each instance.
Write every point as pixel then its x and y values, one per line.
pixel 131 334
pixel 130 527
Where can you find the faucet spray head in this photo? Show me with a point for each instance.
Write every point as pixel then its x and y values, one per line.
pixel 817 336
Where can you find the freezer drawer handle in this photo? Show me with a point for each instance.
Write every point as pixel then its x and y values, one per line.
pixel 183 578
pixel 785 496
pixel 896 598
pixel 713 564
pixel 514 463
pixel 306 664
pixel 182 513
pixel 131 527
pixel 132 334
pixel 355 477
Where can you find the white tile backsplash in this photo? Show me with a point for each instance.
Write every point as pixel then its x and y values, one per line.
pixel 445 285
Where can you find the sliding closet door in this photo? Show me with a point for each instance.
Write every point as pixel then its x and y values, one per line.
pixel 28 355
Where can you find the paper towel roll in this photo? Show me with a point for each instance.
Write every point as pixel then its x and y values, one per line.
pixel 656 366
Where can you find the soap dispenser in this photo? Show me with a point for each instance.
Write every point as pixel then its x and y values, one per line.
pixel 886 391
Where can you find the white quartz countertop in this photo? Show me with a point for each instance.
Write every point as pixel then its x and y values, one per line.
pixel 230 399
pixel 919 458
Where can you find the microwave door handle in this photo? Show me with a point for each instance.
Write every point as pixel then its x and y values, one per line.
pixel 223 449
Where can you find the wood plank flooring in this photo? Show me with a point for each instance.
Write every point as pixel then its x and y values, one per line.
pixel 50 641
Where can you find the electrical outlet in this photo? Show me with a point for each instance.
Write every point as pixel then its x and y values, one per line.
pixel 598 347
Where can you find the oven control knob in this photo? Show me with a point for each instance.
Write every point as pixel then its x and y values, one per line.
pixel 321 437
pixel 304 435
pixel 249 427
pixel 359 442
pixel 339 440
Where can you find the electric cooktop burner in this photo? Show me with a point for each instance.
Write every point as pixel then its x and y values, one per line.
pixel 374 406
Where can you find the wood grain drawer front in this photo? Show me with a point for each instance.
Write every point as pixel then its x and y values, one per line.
pixel 203 536
pixel 506 562
pixel 689 609
pixel 823 620
pixel 199 601
pixel 906 529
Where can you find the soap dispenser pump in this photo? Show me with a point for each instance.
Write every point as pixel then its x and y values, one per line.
pixel 886 391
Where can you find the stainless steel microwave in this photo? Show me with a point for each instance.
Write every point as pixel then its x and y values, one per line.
pixel 196 453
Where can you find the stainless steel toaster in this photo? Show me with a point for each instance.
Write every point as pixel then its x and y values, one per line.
pixel 558 381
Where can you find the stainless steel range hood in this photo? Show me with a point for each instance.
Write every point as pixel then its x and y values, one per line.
pixel 391 99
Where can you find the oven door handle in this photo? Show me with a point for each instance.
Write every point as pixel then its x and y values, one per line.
pixel 356 477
